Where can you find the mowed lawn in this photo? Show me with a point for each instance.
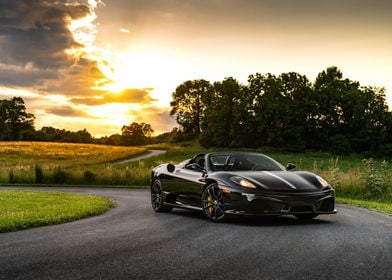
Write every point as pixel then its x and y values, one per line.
pixel 21 209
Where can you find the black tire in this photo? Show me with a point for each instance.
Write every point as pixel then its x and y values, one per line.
pixel 308 216
pixel 212 203
pixel 157 198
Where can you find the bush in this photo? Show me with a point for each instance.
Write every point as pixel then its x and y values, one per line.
pixel 11 177
pixel 334 171
pixel 39 175
pixel 376 181
pixel 340 144
pixel 89 177
pixel 384 150
pixel 59 176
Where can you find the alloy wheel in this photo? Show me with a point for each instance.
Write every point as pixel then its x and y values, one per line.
pixel 213 205
pixel 157 198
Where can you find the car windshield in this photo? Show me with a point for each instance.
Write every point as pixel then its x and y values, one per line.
pixel 243 162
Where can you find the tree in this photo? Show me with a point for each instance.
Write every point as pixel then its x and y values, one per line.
pixel 349 113
pixel 299 108
pixel 114 139
pixel 287 111
pixel 269 107
pixel 81 136
pixel 188 105
pixel 219 121
pixel 14 119
pixel 136 133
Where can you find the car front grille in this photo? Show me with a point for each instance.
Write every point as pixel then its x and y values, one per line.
pixel 301 209
pixel 264 206
pixel 327 204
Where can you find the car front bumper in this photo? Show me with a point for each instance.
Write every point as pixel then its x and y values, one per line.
pixel 276 203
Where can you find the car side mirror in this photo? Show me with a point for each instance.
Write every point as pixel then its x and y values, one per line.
pixel 290 166
pixel 170 167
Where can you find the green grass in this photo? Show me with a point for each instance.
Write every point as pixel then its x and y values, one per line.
pixel 60 163
pixel 384 206
pixel 81 164
pixel 21 209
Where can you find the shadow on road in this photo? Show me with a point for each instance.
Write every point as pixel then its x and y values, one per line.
pixel 254 220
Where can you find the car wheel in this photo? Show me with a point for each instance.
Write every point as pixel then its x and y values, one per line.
pixel 157 198
pixel 212 202
pixel 306 216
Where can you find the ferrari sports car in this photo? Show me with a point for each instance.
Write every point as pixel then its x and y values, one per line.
pixel 225 183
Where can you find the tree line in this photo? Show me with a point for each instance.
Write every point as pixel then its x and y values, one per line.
pixel 16 124
pixel 285 111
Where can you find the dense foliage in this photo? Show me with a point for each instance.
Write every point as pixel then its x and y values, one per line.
pixel 286 111
pixel 14 120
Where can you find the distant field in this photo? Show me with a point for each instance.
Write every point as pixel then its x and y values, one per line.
pixel 61 154
pixel 57 163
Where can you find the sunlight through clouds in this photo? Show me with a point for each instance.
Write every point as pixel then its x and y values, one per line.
pixel 102 65
pixel 70 79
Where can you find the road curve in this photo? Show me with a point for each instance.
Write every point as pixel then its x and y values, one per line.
pixel 133 242
pixel 151 153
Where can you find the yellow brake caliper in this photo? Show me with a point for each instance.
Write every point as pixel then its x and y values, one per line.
pixel 209 204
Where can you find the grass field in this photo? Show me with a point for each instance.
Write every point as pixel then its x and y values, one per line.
pixel 352 176
pixel 25 209
pixel 59 163
pixel 25 154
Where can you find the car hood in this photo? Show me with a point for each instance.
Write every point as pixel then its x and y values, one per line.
pixel 281 180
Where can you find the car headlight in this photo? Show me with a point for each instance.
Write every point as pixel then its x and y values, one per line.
pixel 322 181
pixel 242 182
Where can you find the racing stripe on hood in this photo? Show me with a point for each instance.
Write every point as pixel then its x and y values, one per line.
pixel 280 178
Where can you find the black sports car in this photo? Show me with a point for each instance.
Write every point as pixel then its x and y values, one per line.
pixel 224 183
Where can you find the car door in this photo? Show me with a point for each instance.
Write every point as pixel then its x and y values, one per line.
pixel 188 186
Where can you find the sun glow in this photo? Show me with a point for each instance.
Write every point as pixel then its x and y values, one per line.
pixel 139 67
pixel 113 114
pixel 142 68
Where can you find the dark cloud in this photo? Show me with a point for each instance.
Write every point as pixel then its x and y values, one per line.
pixel 66 111
pixel 34 38
pixel 36 31
pixel 15 76
pixel 78 79
pixel 126 96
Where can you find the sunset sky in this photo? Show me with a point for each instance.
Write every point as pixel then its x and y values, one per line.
pixel 99 65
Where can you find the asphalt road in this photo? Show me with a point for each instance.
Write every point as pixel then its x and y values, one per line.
pixel 151 153
pixel 133 242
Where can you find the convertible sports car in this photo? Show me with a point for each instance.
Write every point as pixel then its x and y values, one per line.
pixel 224 183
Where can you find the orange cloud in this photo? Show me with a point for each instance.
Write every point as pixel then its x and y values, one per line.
pixel 67 111
pixel 125 96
